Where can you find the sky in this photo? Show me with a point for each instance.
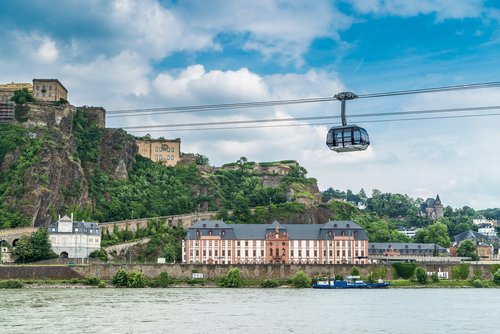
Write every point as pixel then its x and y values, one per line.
pixel 125 54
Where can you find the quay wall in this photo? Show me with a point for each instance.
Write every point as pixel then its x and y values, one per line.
pixel 184 271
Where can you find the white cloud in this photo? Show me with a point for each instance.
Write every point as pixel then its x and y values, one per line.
pixel 47 52
pixel 300 22
pixel 443 9
pixel 194 84
pixel 107 81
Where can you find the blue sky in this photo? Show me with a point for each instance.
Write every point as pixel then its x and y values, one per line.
pixel 126 54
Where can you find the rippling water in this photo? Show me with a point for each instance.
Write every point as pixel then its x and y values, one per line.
pixel 203 310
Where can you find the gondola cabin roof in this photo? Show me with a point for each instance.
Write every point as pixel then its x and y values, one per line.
pixel 347 138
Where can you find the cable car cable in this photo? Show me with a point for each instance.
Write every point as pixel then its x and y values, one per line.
pixel 312 124
pixel 239 105
pixel 397 113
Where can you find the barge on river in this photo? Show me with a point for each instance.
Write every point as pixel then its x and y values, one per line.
pixel 350 282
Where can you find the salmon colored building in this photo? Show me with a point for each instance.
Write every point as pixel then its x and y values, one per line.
pixel 215 242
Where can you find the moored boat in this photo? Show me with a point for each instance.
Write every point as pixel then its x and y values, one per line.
pixel 350 282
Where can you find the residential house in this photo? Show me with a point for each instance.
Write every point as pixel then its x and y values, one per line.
pixel 74 239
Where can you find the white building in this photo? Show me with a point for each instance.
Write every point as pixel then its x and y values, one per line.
pixel 408 232
pixel 74 240
pixel 481 221
pixel 488 231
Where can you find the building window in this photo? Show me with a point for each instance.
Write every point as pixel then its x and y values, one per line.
pixel 228 252
pixel 156 149
pixel 168 149
pixel 168 157
pixel 173 149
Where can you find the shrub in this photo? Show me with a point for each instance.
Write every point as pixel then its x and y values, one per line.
pixel 421 275
pixel 461 271
pixel 162 281
pixel 269 283
pixel 404 270
pixel 100 254
pixel 494 268
pixel 120 278
pixel 477 283
pixel 355 271
pixel 231 280
pixel 102 284
pixel 496 277
pixel 339 277
pixel 477 273
pixel 380 272
pixel 435 277
pixel 91 280
pixel 301 280
pixel 136 280
pixel 11 284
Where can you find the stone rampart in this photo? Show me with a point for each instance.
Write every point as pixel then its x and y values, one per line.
pixel 185 221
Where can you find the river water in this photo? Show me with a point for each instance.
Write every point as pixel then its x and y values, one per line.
pixel 206 310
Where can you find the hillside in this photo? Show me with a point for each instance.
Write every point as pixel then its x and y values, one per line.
pixel 61 159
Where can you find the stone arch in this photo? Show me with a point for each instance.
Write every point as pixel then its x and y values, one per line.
pixel 63 255
pixel 14 242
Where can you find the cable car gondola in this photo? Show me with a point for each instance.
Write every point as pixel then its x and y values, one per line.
pixel 347 138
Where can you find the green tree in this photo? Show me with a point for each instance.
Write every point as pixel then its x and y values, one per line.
pixel 163 281
pixel 496 277
pixel 231 280
pixel 24 248
pixel 468 249
pixel 461 271
pixel 436 233
pixel 42 248
pixel 35 247
pixel 22 96
pixel 136 280
pixel 301 280
pixel 421 275
pixel 120 278
pixel 201 160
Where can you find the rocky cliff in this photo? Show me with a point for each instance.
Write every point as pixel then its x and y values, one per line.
pixel 47 173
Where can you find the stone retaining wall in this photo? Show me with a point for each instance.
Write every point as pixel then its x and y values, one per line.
pixel 179 271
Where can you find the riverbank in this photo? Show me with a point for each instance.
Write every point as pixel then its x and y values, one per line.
pixel 91 283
